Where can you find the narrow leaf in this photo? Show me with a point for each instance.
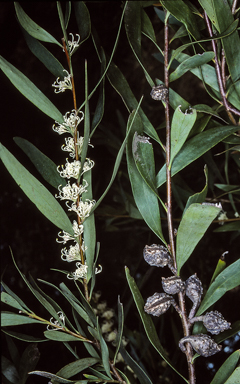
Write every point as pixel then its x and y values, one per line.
pixel 226 369
pixel 139 372
pixel 182 124
pixel 193 225
pixel 75 367
pixel 194 148
pixel 9 300
pixel 192 62
pixel 32 28
pixel 234 378
pixel 12 294
pixel 104 352
pixel 36 192
pixel 228 279
pixel 83 19
pixel 30 91
pixel 147 321
pixel 45 166
pixel 60 336
pixel 9 319
pixel 23 337
pixel 120 329
pixel 51 376
pixel 9 371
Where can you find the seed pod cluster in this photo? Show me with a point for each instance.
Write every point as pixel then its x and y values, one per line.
pixel 202 344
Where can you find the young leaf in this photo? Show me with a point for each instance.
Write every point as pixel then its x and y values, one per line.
pixel 45 166
pixel 36 192
pixel 221 265
pixel 193 225
pixel 194 148
pixel 8 319
pixel 30 91
pixel 228 279
pixel 145 198
pixel 182 124
pixel 147 321
pixel 32 28
pixel 192 62
pixel 226 369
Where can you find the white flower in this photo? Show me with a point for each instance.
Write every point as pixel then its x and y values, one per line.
pixel 80 273
pixel 70 123
pixel 64 84
pixel 71 169
pixel 77 229
pixel 73 44
pixel 70 146
pixel 83 209
pixel 87 165
pixel 56 322
pixel 73 254
pixel 71 191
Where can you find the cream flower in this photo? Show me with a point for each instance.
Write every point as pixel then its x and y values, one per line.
pixel 80 273
pixel 83 209
pixel 77 229
pixel 56 322
pixel 64 84
pixel 71 169
pixel 70 122
pixel 72 254
pixel 73 44
pixel 71 191
pixel 70 146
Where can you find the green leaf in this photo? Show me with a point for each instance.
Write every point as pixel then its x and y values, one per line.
pixel 193 226
pixel 75 367
pixel 23 337
pixel 60 336
pixel 234 378
pixel 182 124
pixel 9 371
pixel 120 329
pixel 192 62
pixel 147 27
pixel 36 192
pixel 9 300
pixel 198 197
pixel 8 319
pixel 104 352
pixel 228 279
pixel 43 54
pixel 221 265
pixel 194 148
pixel 229 227
pixel 99 111
pixel 145 198
pixel 12 294
pixel 175 99
pixel 147 321
pixel 139 372
pixel 29 360
pixel 51 376
pixel 226 369
pixel 45 166
pixel 32 28
pixel 83 20
pixel 30 91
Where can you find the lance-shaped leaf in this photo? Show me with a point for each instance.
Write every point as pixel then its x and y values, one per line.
pixel 226 369
pixel 193 225
pixel 9 300
pixel 228 279
pixel 146 200
pixel 60 336
pixel 32 28
pixel 192 62
pixel 23 337
pixel 8 319
pixel 139 372
pixel 104 352
pixel 51 376
pixel 75 367
pixel 147 321
pixel 182 124
pixel 9 371
pixel 36 192
pixel 30 91
pixel 120 329
pixel 234 378
pixel 194 148
pixel 83 19
pixel 45 166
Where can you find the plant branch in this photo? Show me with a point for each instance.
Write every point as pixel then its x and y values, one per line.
pixel 225 102
pixel 184 318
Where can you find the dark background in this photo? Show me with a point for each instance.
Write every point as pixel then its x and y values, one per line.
pixel 24 229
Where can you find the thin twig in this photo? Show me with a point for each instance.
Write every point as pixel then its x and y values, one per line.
pixel 226 104
pixel 184 318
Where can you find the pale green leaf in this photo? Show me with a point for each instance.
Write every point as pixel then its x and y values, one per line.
pixel 226 369
pixel 8 319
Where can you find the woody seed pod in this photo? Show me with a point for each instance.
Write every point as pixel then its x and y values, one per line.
pixel 215 322
pixel 202 344
pixel 158 304
pixel 159 93
pixel 172 285
pixel 156 255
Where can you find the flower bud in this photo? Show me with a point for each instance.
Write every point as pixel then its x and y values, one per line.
pixel 156 255
pixel 215 322
pixel 202 344
pixel 158 304
pixel 172 285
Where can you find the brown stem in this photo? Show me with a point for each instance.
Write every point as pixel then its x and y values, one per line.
pixel 225 102
pixel 184 318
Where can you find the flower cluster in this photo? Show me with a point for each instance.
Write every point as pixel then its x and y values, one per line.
pixel 74 189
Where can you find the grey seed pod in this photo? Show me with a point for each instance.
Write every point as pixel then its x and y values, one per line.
pixel 173 284
pixel 158 304
pixel 159 93
pixel 156 255
pixel 202 344
pixel 194 288
pixel 215 322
